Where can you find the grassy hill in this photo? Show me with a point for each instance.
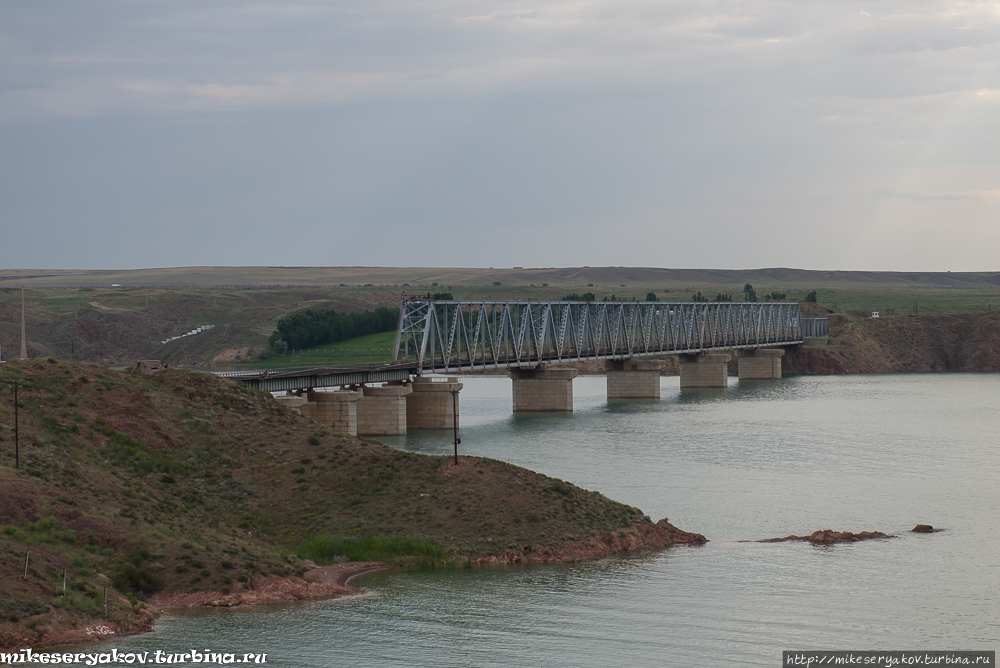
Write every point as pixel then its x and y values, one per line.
pixel 181 482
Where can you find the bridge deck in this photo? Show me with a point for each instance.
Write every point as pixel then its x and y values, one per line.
pixel 305 379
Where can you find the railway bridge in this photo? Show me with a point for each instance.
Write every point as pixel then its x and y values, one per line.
pixel 534 342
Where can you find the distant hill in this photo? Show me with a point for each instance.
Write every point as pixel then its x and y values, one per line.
pixel 192 277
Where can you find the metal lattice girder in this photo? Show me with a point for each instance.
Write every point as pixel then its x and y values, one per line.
pixel 456 335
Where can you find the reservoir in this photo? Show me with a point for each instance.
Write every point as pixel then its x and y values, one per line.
pixel 756 460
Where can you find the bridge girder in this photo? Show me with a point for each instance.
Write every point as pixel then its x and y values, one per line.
pixel 451 336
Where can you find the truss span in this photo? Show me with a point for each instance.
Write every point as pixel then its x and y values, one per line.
pixel 446 336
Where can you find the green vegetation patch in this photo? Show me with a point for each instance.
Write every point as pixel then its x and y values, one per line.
pixel 314 327
pixel 323 550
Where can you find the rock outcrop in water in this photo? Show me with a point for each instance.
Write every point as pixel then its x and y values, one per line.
pixel 829 537
pixel 924 528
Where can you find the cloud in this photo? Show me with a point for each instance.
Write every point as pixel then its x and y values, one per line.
pixel 176 56
pixel 560 119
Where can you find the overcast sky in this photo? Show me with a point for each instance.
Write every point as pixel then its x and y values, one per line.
pixel 814 134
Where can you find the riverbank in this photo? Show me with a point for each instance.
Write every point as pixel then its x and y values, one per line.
pixel 321 582
pixel 130 492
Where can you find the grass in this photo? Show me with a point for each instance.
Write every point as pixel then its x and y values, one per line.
pixel 324 549
pixel 369 349
pixel 906 301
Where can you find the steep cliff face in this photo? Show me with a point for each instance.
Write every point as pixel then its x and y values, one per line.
pixel 906 343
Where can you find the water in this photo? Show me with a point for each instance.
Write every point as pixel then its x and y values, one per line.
pixel 757 460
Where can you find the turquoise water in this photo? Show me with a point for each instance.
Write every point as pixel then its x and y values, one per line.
pixel 757 460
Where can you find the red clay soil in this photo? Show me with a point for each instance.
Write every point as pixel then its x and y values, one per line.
pixel 98 629
pixel 637 538
pixel 318 583
pixel 829 537
pixel 902 343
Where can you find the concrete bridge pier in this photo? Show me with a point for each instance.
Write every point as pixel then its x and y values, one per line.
pixel 432 404
pixel 382 410
pixel 337 410
pixel 705 370
pixel 634 379
pixel 293 400
pixel 543 389
pixel 759 363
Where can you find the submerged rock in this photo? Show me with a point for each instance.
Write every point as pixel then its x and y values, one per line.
pixel 924 528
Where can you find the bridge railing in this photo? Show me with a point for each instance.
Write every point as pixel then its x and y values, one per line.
pixel 298 370
pixel 456 335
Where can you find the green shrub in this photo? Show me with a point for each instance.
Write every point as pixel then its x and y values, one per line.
pixel 135 575
pixel 559 487
pixel 67 536
pixel 375 548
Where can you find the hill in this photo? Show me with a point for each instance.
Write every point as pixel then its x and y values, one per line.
pixel 273 277
pixel 79 315
pixel 180 486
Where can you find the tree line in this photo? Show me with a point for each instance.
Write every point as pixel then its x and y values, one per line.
pixel 315 327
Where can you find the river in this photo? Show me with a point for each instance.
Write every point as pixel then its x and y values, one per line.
pixel 757 460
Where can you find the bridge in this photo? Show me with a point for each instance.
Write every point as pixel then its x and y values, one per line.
pixel 452 336
pixel 527 338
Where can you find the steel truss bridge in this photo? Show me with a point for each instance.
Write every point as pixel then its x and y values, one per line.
pixel 452 336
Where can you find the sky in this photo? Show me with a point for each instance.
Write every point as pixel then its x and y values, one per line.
pixel 696 134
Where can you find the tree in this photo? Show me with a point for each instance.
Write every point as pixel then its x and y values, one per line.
pixel 698 297
pixel 811 297
pixel 651 297
pixel 723 297
pixel 749 293
pixel 316 326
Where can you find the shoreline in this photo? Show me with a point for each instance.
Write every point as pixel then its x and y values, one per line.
pixel 319 583
pixel 333 581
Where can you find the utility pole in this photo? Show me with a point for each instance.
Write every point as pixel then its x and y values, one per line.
pixel 17 442
pixel 454 421
pixel 24 340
